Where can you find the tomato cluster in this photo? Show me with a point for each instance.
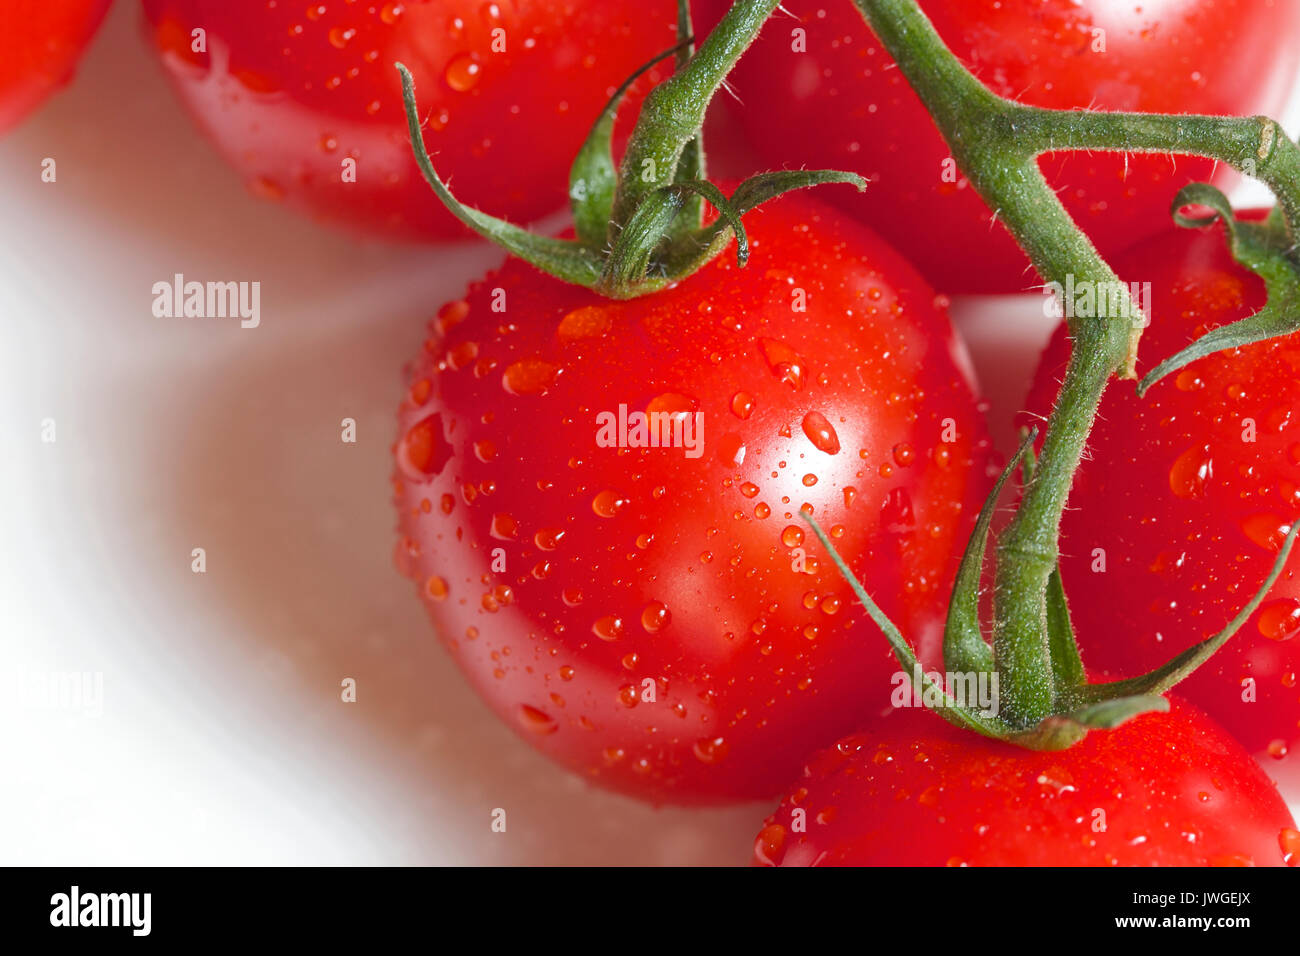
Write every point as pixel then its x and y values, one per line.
pixel 603 503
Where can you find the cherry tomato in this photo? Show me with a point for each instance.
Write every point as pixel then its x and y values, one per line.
pixel 833 98
pixel 1170 789
pixel 39 48
pixel 1176 519
pixel 653 617
pixel 304 100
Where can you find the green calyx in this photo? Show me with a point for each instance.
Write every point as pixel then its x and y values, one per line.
pixel 640 225
pixel 1265 248
pixel 1077 705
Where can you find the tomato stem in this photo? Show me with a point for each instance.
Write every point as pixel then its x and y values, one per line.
pixel 640 228
pixel 996 142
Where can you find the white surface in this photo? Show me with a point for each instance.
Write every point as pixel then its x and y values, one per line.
pixel 222 738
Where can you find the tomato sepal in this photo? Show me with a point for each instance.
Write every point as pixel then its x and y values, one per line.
pixel 1079 706
pixel 1267 249
pixel 593 177
pixel 636 234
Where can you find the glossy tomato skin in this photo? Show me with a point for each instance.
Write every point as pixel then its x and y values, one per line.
pixel 40 45
pixel 1186 509
pixel 636 573
pixel 289 92
pixel 1169 789
pixel 843 104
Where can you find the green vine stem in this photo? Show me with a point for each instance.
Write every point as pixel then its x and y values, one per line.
pixel 640 228
pixel 996 142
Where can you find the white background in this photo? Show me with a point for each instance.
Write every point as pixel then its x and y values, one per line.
pixel 222 738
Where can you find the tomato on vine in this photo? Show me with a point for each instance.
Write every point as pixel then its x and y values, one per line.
pixel 1189 491
pixel 818 88
pixel 649 616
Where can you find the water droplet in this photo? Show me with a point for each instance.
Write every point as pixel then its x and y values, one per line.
pixel 451 315
pixel 673 404
pixel 537 721
pixel 420 392
pixel 339 37
pixel 462 73
pixel 608 503
pixel 1289 841
pixel 821 433
pixel 505 527
pixel 1280 620
pixel 548 539
pixel 436 588
pixel 742 405
pixel 1191 471
pixel 485 450
pixel 423 452
pixel 786 364
pixel 792 536
pixel 587 322
pixel 762 510
pixel 529 376
pixel 608 628
pixel 655 617
pixel 1267 530
pixel 710 750
pixel 769 845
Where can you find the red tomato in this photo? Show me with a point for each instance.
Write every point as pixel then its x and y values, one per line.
pixel 291 92
pixel 39 48
pixel 647 616
pixel 843 104
pixel 1185 512
pixel 1167 789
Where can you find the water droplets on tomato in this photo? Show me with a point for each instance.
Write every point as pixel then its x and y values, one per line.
pixel 1191 471
pixel 529 376
pixel 742 405
pixel 1280 620
pixel 423 452
pixel 1266 530
pixel 608 628
pixel 710 750
pixel 655 617
pixel 786 364
pixel 821 433
pixel 608 503
pixel 537 721
pixel 585 322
